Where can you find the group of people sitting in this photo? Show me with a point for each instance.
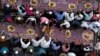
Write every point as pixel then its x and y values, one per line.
pixel 45 45
pixel 40 46
pixel 60 19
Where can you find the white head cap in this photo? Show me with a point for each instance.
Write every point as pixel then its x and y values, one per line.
pixel 31 8
pixel 2 37
pixel 71 54
pixel 98 15
pixel 16 52
pixel 31 50
pixel 37 12
pixel 7 5
pixel 4 52
pixel 46 22
pixel 19 18
pixel 50 12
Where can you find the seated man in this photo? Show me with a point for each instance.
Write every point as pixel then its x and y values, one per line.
pixel 44 43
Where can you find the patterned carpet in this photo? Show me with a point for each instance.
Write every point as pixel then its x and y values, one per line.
pixel 60 35
pixel 63 4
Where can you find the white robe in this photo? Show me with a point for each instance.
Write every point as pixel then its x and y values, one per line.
pixel 94 26
pixel 85 24
pixel 23 45
pixel 54 46
pixel 87 49
pixel 69 17
pixel 33 19
pixel 88 16
pixel 36 43
pixel 79 17
pixel 66 23
pixel 44 43
pixel 20 12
